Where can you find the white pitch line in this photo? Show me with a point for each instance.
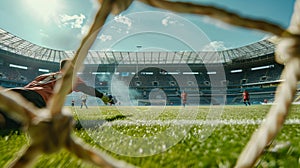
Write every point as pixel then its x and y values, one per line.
pixel 194 122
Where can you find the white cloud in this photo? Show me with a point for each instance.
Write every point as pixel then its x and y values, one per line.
pixel 74 21
pixel 85 29
pixel 215 46
pixel 169 21
pixel 104 37
pixel 165 21
pixel 216 22
pixel 116 29
pixel 123 19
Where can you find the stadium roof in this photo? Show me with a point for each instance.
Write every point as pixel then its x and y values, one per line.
pixel 14 44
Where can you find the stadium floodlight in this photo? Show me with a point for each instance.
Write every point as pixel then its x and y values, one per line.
pixel 147 73
pixel 18 66
pixel 100 73
pixel 236 71
pixel 190 73
pixel 211 73
pixel 173 73
pixel 262 67
pixel 44 70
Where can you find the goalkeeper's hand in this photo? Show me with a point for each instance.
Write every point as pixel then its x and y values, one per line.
pixel 107 99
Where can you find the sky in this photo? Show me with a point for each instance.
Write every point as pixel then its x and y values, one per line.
pixel 62 24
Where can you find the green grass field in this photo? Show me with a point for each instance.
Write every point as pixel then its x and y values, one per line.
pixel 171 137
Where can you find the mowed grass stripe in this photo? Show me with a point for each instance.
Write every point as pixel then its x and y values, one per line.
pixel 196 122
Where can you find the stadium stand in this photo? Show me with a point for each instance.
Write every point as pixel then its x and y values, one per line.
pixel 250 67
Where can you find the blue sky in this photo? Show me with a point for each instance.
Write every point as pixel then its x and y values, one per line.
pixel 61 24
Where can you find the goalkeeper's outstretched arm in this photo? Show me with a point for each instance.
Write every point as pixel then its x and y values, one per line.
pixel 82 87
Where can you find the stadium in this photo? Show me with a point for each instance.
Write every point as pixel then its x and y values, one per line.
pixel 148 126
pixel 142 72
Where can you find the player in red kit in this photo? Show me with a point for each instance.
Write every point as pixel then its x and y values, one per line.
pixel 183 98
pixel 246 98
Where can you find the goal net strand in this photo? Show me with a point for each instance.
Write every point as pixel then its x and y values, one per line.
pixel 288 41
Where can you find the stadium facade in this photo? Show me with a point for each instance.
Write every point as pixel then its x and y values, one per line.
pixel 212 77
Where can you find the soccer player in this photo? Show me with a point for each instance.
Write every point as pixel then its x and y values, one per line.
pixel 83 100
pixel 73 103
pixel 246 98
pixel 183 98
pixel 41 89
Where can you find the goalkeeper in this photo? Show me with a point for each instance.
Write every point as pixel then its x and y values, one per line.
pixel 41 89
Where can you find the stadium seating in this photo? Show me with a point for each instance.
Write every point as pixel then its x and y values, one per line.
pixel 260 83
